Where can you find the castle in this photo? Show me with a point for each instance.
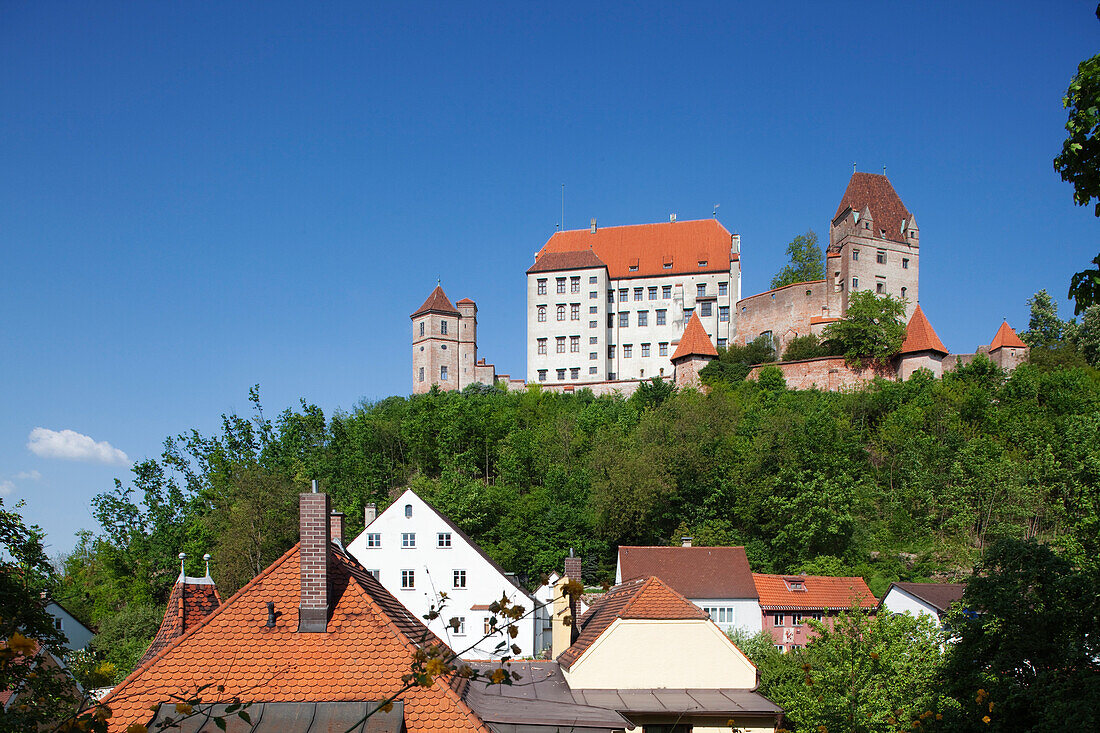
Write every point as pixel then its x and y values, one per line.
pixel 609 307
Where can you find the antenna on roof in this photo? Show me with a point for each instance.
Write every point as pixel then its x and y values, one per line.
pixel 715 212
pixel 561 225
pixel 183 556
pixel 884 169
pixel 853 168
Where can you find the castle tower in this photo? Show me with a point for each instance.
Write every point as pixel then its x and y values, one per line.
pixel 436 329
pixel 1007 350
pixel 922 348
pixel 467 342
pixel 694 352
pixel 874 244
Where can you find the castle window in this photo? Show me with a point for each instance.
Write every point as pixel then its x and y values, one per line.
pixel 882 233
pixel 592 280
pixel 422 328
pixel 666 291
pixel 705 309
pixel 880 288
pixel 542 286
pixel 667 265
pixel 611 351
pixel 575 373
pixel 593 370
pixel 855 283
pixel 633 268
pixel 443 373
pixel 421 374
pixel 593 339
pixel 723 288
pixel 591 324
pixel 701 290
pixel 593 309
pixel 662 348
pixel 687 313
pixel 574 311
pixel 637 293
pixel 721 343
pixel 542 346
pixel 628 351
pixel 643 318
pixel 724 313
pixel 645 349
pixel 542 313
pixel 561 375
pixel 444 347
pixel 624 319
pixel 610 320
pixel 593 294
pixel 855 255
pixel 542 375
pixel 575 344
pixel 624 295
pixel 866 225
pixel 560 344
pixel 593 355
pixel 903 292
pixel 880 257
pixel 561 284
pixel 574 284
pixel 905 263
pixel 661 314
pixel 443 327
pixel 652 292
pixel 610 296
pixel 809 293
pixel 561 312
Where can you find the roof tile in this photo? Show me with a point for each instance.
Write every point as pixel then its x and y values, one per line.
pixel 695 341
pixel 437 302
pixel 695 572
pixel 1006 337
pixel 920 336
pixel 818 592
pixel 875 192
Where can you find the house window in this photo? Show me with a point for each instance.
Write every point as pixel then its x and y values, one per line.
pixel 666 291
pixel 880 288
pixel 575 284
pixel 611 351
pixel 610 296
pixel 574 344
pixel 645 349
pixel 443 373
pixel 701 290
pixel 374 573
pixel 903 292
pixel 574 311
pixel 637 293
pixel 624 295
pixel 652 292
pixel 408 539
pixel 779 620
pixel 542 346
pixel 374 539
pixel 421 374
pixel 643 318
pixel 628 350
pixel 855 255
pixel 559 344
pixel 905 263
pixel 855 283
pixel 575 373
pixel 610 320
pixel 593 340
pixel 723 313
pixel 561 375
pixel 723 288
pixel 593 355
pixel 880 257
pixel 460 579
pixel 561 312
pixel 661 313
pixel 460 629
pixel 561 284
pixel 624 319
pixel 542 313
pixel 722 343
pixel 542 286
pixel 592 370
pixel 542 375
pixel 592 280
pixel 593 294
pixel 719 614
pixel 408 511
pixel 443 539
pixel 705 309
pixel 662 348
pixel 408 579
pixel 422 328
pixel 489 627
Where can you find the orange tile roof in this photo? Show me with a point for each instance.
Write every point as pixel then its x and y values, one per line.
pixel 466 301
pixel 821 592
pixel 695 341
pixel 191 600
pixel 553 261
pixel 1006 337
pixel 437 302
pixel 647 248
pixel 644 598
pixel 367 647
pixel 875 192
pixel 920 336
pixel 696 572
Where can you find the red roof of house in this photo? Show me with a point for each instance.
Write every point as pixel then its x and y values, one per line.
pixel 466 301
pixel 367 647
pixel 643 598
pixel 875 192
pixel 643 250
pixel 1006 337
pixel 695 341
pixel 191 600
pixel 817 592
pixel 695 572
pixel 920 336
pixel 437 302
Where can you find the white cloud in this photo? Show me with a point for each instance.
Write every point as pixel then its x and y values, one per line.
pixel 6 487
pixel 28 476
pixel 73 446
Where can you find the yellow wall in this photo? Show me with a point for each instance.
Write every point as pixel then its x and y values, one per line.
pixel 643 654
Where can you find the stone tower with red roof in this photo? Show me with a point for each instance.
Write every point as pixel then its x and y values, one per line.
pixel 445 345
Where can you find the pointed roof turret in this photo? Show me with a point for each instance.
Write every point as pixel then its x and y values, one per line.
pixel 920 336
pixel 191 600
pixel 437 302
pixel 1006 337
pixel 694 342
pixel 874 192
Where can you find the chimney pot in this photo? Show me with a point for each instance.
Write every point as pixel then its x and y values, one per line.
pixel 370 513
pixel 593 225
pixel 685 541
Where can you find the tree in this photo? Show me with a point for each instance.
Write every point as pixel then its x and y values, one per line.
pixel 1087 335
pixel 1044 328
pixel 807 262
pixel 1079 163
pixel 871 330
pixel 734 363
pixel 1028 641
pixel 807 347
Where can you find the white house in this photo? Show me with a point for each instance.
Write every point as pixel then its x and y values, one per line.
pixel 717 579
pixel 932 599
pixel 77 635
pixel 417 553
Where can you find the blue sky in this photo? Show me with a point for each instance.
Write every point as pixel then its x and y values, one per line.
pixel 200 197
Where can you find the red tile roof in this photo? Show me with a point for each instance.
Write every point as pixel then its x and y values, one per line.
pixel 820 592
pixel 694 342
pixel 1006 337
pixel 362 656
pixel 466 301
pixel 554 261
pixel 644 598
pixel 437 302
pixel 191 600
pixel 875 192
pixel 695 572
pixel 645 247
pixel 920 336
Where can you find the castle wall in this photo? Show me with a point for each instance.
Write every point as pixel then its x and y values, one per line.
pixel 910 363
pixel 687 371
pixel 826 373
pixel 785 312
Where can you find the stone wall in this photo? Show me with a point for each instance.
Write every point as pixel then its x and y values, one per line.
pixel 785 312
pixel 827 373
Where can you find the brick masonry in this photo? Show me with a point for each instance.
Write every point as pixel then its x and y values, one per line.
pixel 314 532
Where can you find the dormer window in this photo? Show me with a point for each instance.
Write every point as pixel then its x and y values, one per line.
pixel 795 584
pixel 882 233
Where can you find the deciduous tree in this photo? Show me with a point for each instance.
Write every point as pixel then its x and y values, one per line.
pixel 807 262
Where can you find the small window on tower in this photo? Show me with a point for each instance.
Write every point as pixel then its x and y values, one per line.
pixel 905 263
pixel 422 328
pixel 443 327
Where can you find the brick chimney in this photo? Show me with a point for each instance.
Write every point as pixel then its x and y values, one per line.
pixel 313 551
pixel 336 522
pixel 573 572
pixel 573 566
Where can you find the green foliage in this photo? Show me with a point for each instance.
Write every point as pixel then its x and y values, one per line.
pixel 809 347
pixel 1028 640
pixel 1044 328
pixel 124 637
pixel 772 379
pixel 1084 287
pixel 734 363
pixel 872 329
pixel 1087 336
pixel 807 261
